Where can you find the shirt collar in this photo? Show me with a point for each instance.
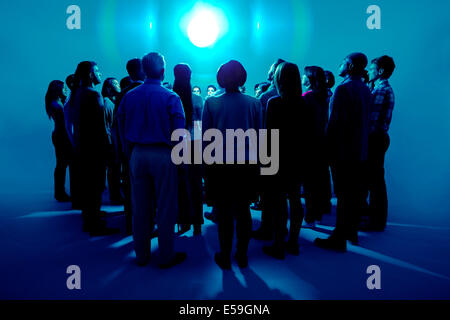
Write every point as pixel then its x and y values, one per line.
pixel 153 81
pixel 381 83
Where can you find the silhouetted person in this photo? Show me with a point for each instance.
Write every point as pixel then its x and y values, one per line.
pixel 317 185
pixel 380 71
pixel 74 176
pixel 347 138
pixel 230 187
pixel 196 90
pixel 110 91
pixel 211 90
pixel 125 82
pixel 190 176
pixel 137 77
pixel 265 231
pixel 287 113
pixel 147 117
pixel 90 146
pixel 54 100
pixel 330 83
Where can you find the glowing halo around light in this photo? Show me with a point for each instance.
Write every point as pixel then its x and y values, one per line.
pixel 203 29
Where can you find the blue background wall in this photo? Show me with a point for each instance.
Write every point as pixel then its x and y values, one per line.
pixel 37 48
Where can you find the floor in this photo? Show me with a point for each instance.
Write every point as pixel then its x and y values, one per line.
pixel 41 238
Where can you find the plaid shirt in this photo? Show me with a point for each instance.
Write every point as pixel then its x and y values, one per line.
pixel 382 107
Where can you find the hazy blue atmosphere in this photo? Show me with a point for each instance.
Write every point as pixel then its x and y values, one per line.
pixel 37 47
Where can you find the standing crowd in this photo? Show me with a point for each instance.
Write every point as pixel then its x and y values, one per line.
pixel 123 135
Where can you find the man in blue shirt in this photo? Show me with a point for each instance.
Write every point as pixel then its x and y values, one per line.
pixel 147 116
pixel 347 136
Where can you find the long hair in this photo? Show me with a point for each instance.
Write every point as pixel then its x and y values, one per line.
pixel 83 73
pixel 287 81
pixel 182 87
pixel 318 81
pixel 106 85
pixel 54 91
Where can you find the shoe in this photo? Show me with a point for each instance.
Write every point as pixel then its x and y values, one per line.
pixel 154 233
pixel 179 258
pixel 262 234
pixel 274 252
pixel 102 230
pixel 88 226
pixel 308 225
pixel 242 260
pixel 183 228
pixel 142 262
pixel 62 197
pixel 211 216
pixel 256 206
pixel 223 263
pixel 331 244
pixel 197 229
pixel 292 248
pixel 368 227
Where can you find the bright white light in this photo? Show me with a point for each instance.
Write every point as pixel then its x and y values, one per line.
pixel 203 29
pixel 151 25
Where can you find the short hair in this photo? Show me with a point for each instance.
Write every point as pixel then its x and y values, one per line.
pixel 106 85
pixel 125 82
pixel 359 61
pixel 211 86
pixel 231 75
pixel 70 81
pixel 153 65
pixel 287 80
pixel 199 90
pixel 387 64
pixel 134 69
pixel 330 79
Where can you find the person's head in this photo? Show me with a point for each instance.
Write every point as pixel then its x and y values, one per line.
pixel 182 87
pixel 210 90
pixel 57 90
pixel 125 82
pixel 182 72
pixel 111 88
pixel 196 90
pixel 330 79
pixel 314 78
pixel 381 68
pixel 70 82
pixel 154 66
pixel 273 68
pixel 353 65
pixel 87 74
pixel 134 69
pixel 231 76
pixel 287 80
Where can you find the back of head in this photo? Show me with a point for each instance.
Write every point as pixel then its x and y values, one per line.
pixel 70 81
pixel 273 68
pixel 287 80
pixel 106 85
pixel 83 73
pixel 231 76
pixel 317 79
pixel 359 62
pixel 54 91
pixel 154 65
pixel 182 86
pixel 387 64
pixel 125 82
pixel 330 79
pixel 134 69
